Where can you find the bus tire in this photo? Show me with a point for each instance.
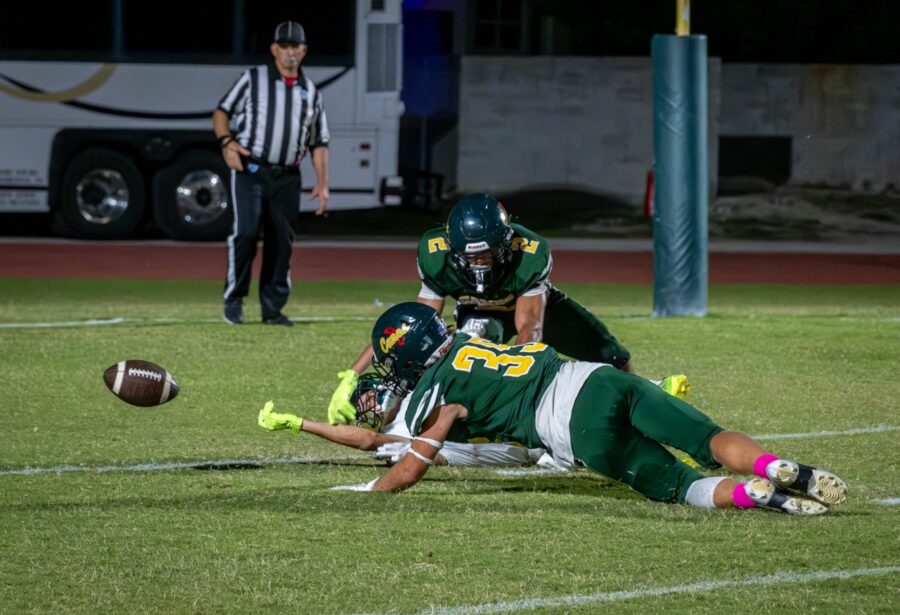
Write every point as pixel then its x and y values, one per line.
pixel 102 195
pixel 190 197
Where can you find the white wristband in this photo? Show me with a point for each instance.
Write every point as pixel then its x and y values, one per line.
pixel 434 443
pixel 416 453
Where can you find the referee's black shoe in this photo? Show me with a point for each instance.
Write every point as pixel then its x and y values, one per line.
pixel 234 312
pixel 281 319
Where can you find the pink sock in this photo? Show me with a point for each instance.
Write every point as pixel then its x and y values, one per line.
pixel 759 466
pixel 740 497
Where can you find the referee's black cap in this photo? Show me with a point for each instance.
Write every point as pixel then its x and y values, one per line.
pixel 290 32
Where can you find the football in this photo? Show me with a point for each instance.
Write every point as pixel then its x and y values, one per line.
pixel 140 383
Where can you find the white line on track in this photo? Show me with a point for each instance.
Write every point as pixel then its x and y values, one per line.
pixel 121 320
pixel 576 600
pixel 888 501
pixel 101 322
pixel 870 246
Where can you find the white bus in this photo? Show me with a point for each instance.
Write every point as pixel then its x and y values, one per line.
pixel 106 106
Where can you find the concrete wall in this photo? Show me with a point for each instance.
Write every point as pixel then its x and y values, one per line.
pixel 544 120
pixel 844 119
pixel 587 122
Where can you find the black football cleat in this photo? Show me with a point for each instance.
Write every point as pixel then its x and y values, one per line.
pixel 767 496
pixel 808 481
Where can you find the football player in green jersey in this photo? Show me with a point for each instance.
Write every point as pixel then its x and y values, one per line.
pixel 498 273
pixel 584 414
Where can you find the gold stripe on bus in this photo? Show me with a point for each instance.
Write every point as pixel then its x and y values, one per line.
pixel 85 87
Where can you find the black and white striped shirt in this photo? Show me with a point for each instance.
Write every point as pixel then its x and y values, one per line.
pixel 275 122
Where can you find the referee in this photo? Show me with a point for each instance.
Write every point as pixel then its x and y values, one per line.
pixel 278 115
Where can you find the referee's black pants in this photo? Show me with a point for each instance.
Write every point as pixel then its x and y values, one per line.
pixel 268 200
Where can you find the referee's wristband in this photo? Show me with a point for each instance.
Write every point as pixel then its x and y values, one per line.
pixel 225 140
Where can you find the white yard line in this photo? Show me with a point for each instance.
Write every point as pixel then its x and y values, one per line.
pixel 773 436
pixel 577 600
pixel 823 434
pixel 530 471
pixel 186 465
pixel 213 463
pixel 888 501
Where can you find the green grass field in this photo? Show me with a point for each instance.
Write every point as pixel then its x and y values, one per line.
pixel 272 536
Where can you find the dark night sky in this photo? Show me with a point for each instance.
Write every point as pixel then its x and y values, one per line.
pixel 803 31
pixel 800 31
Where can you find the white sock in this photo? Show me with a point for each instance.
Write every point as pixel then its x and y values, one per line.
pixel 700 493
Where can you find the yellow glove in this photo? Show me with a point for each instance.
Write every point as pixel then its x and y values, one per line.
pixel 340 410
pixel 273 421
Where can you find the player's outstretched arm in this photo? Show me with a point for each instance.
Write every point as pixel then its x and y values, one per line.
pixel 348 435
pixel 423 450
pixel 530 318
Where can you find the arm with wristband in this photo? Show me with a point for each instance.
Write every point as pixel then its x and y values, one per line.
pixel 231 149
pixel 423 450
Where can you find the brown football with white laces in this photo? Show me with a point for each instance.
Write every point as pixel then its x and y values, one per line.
pixel 140 383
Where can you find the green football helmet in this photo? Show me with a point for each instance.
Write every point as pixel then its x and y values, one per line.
pixel 407 339
pixel 478 225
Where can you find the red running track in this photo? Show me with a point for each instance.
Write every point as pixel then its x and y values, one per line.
pixel 168 261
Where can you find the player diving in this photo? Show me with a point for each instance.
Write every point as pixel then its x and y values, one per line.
pixel 584 414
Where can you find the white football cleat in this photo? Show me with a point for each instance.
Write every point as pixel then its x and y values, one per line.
pixel 804 480
pixel 767 496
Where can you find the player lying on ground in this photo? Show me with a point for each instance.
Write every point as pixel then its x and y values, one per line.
pixel 391 440
pixel 584 414
pixel 499 275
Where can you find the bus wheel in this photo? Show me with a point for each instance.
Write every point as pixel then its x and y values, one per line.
pixel 190 197
pixel 103 195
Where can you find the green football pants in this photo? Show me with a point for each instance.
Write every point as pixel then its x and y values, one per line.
pixel 619 425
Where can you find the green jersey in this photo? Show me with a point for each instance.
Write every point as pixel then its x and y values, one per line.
pixel 500 386
pixel 527 273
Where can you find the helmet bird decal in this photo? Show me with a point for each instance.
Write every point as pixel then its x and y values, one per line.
pixel 391 336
